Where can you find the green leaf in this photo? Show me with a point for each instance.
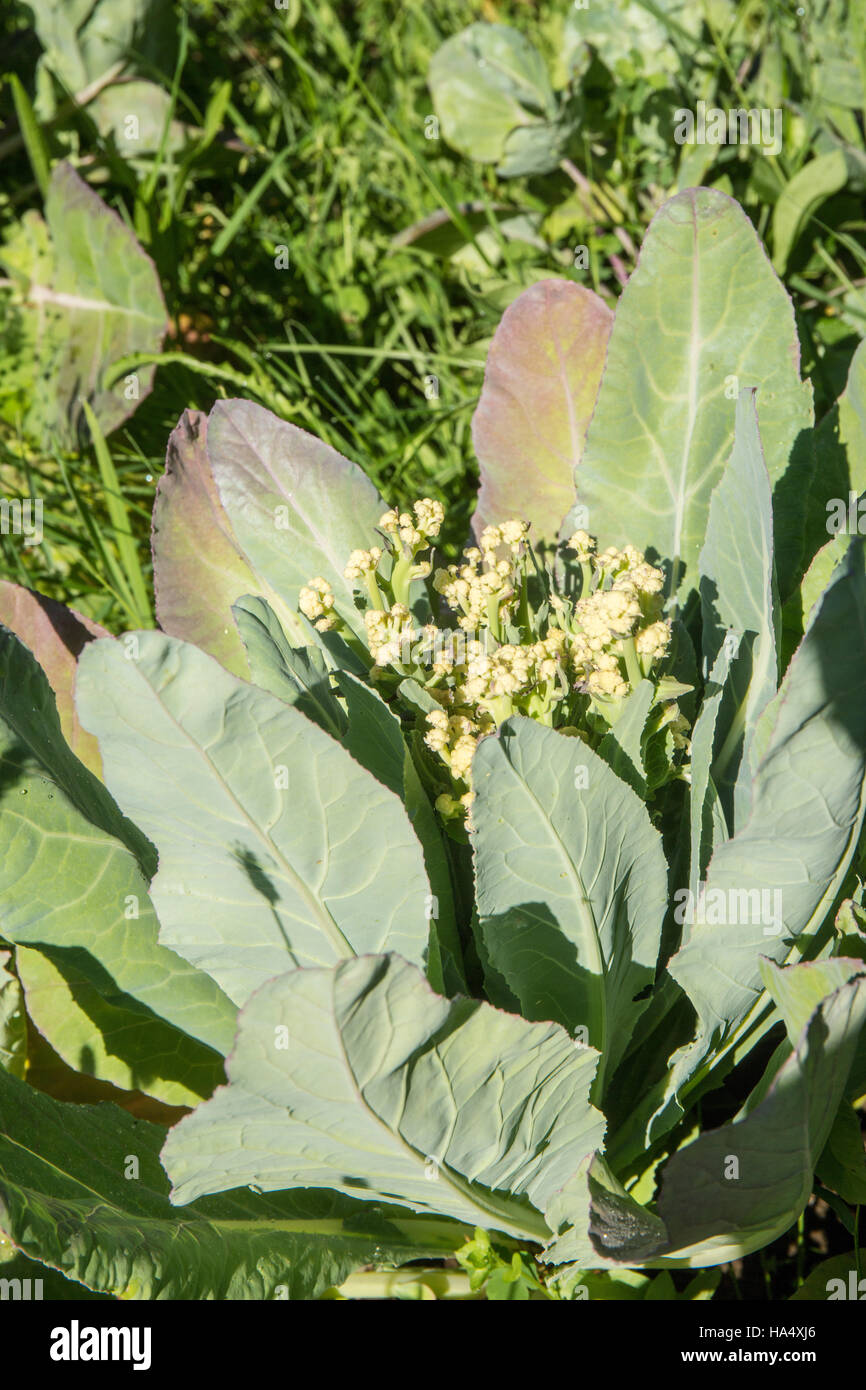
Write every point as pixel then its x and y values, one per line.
pixel 151 106
pixel 593 1215
pixel 199 568
pixel 56 636
pixel 444 235
pixel 361 1079
pixel 739 600
pixel 842 1165
pixel 734 1189
pixel 801 197
pixel 52 1285
pixel 571 883
pixel 837 58
pixel 694 319
pixel 713 1217
pixel 839 464
pixel 416 697
pixel 296 506
pixel 69 1196
pixel 297 675
pixel 71 886
pixel 631 37
pixel 375 737
pixel 275 847
pixel 736 561
pixel 622 746
pixel 536 148
pixel 489 84
pixel 91 297
pixel 782 871
pixel 836 1278
pixel 84 41
pixel 852 420
pixel 100 1033
pixel 601 1285
pixel 641 1078
pixel 13 1022
pixel 849 929
pixel 370 732
pixel 540 383
pixel 661 1287
pixel 707 823
pixel 797 990
pixel 797 612
pixel 702 1287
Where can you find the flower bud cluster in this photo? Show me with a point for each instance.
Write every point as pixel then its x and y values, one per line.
pixel 617 632
pixel 572 659
pixel 363 562
pixel 484 589
pixel 454 738
pixel 388 633
pixel 316 602
pixel 414 532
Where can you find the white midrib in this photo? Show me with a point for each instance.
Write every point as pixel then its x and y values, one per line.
pixel 680 500
pixel 40 294
pixel 316 906
pixel 586 916
pixel 519 1223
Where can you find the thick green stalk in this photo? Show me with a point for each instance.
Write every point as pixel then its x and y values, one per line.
pixel 426 1285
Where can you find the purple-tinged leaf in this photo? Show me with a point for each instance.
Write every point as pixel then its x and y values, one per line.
pixel 540 384
pixel 296 506
pixel 199 568
pixel 56 636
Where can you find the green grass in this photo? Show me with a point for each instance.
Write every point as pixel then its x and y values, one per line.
pixel 273 229
pixel 341 340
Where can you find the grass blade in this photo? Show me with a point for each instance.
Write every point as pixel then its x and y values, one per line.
pixel 117 511
pixel 37 151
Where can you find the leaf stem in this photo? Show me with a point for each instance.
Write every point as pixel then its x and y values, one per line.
pixel 632 665
pixel 426 1285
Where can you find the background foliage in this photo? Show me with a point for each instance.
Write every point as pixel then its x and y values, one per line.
pixel 304 127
